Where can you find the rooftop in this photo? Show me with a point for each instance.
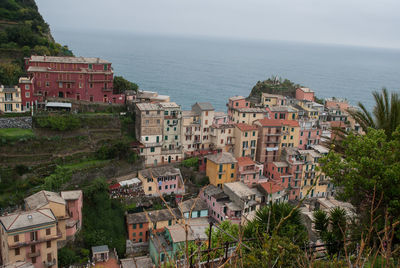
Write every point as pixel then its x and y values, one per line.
pixel 71 195
pixel 235 98
pixel 280 164
pixel 27 219
pixel 245 161
pixel 43 198
pixel 266 122
pixel 222 158
pixel 251 110
pixel 306 89
pixel 239 188
pixel 169 105
pixel 68 59
pixel 146 106
pixel 271 187
pixel 194 204
pixel 196 230
pixel 100 249
pixel 282 108
pixel 245 127
pixel 268 95
pixel 160 171
pixel 154 216
pixel 204 106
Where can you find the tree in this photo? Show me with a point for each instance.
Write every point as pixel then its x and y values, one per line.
pixel 121 85
pixel 267 219
pixel 55 181
pixel 385 115
pixel 10 73
pixel 367 174
pixel 331 228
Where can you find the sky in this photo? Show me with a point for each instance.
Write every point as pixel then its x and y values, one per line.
pixel 373 23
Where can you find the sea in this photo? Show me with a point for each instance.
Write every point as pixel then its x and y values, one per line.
pixel 202 69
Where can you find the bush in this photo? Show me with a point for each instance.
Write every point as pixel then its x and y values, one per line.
pixel 119 149
pixel 58 122
pixel 191 162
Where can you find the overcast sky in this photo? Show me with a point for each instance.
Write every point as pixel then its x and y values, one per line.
pixel 353 22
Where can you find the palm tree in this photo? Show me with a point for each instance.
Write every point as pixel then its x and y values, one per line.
pixel 385 114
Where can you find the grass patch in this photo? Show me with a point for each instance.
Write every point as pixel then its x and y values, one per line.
pixel 12 134
pixel 85 164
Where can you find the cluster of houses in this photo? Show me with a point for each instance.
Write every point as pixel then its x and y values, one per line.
pixel 31 237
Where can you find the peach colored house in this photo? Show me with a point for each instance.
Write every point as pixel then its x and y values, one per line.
pixel 74 201
pixel 29 236
pixel 304 93
pixel 249 172
pixel 236 102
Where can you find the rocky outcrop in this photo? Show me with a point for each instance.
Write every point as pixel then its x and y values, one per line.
pixel 16 122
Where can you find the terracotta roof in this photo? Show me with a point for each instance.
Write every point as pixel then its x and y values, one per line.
pixel 246 127
pixel 245 161
pixel 271 187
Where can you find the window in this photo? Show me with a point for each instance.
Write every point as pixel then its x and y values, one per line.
pixel 91 85
pixel 48 244
pixel 152 150
pixel 232 166
pixel 220 176
pixel 33 236
pixel 169 222
pixel 232 175
pixel 176 137
pixel 80 84
pixel 141 234
pixel 149 188
pixel 33 259
pixel 48 231
pixel 245 134
pixel 91 98
pixel 17 252
pixel 146 138
pixel 60 84
pixel 166 138
pixel 47 83
pixel 27 87
pixel 27 94
pixel 16 238
pixel 276 116
pixel 90 66
pixel 105 67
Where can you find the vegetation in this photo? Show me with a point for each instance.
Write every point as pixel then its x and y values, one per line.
pixel 191 162
pixel 13 134
pixel 23 32
pixel 268 218
pixel 121 85
pixel 273 85
pixel 331 228
pixel 385 115
pixel 58 122
pixel 103 218
pixel 367 174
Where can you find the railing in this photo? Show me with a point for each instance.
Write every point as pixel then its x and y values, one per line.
pixel 33 254
pixel 37 241
pixel 50 263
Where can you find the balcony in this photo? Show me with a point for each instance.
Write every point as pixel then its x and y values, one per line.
pixel 37 241
pixel 196 141
pixel 100 81
pixel 65 81
pixel 50 263
pixel 106 89
pixel 33 254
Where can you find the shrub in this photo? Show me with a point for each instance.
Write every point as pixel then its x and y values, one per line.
pixel 191 162
pixel 58 122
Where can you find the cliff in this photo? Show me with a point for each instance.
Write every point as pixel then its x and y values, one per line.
pixel 23 32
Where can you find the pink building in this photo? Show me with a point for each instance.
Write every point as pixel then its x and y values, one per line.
pixel 74 202
pixel 304 93
pixel 168 180
pixel 249 172
pixel 236 102
pixel 308 137
pixel 79 78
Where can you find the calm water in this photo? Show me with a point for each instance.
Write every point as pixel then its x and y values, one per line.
pixel 196 69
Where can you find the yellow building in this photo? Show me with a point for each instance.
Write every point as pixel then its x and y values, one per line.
pixel 308 110
pixel 268 100
pixel 290 134
pixel 53 201
pixel 247 115
pixel 245 140
pixel 29 236
pixel 10 99
pixel 324 187
pixel 221 168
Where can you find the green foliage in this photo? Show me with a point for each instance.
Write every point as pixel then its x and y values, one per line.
pixel 273 85
pixel 70 255
pixel 331 229
pixel 268 218
pixel 121 85
pixel 368 162
pixel 115 149
pixel 10 73
pixel 58 122
pixel 21 169
pixel 385 115
pixel 14 134
pixel 191 162
pixel 103 218
pixel 55 181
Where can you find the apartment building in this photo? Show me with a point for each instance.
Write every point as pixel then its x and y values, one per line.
pixel 304 93
pixel 79 78
pixel 268 140
pixel 269 100
pixel 310 133
pixel 10 99
pixel 221 168
pixel 30 236
pixel 248 115
pixel 149 131
pixel 249 172
pixel 236 102
pixel 222 137
pixel 283 112
pixel 163 180
pixel 245 140
pixel 272 191
pixel 74 202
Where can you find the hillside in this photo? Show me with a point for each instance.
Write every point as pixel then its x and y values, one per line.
pixel 23 32
pixel 273 85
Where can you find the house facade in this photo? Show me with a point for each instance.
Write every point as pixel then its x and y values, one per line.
pixel 245 140
pixel 163 180
pixel 221 168
pixel 10 99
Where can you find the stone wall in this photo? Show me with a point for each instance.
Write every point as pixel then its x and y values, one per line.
pixel 16 122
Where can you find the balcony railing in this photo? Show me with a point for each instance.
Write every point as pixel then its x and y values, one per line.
pixel 33 254
pixel 50 263
pixel 36 241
